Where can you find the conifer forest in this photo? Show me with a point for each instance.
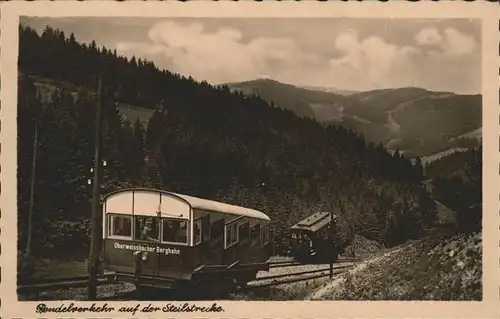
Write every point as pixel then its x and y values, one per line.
pixel 211 142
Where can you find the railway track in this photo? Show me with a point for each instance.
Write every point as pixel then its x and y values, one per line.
pixel 288 263
pixel 268 281
pixel 46 284
pixel 60 283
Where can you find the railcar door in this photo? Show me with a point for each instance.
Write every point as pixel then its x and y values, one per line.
pixel 231 240
pixel 215 247
pixel 172 254
pixel 201 240
pixel 118 242
pixel 244 253
pixel 254 243
pixel 147 236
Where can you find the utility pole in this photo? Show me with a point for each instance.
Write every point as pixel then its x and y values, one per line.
pixel 96 222
pixel 331 244
pixel 32 191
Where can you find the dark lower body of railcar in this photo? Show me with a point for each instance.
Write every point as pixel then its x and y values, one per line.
pixel 210 281
pixel 315 251
pixel 200 270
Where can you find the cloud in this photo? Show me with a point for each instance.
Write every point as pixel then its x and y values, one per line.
pixel 452 42
pixel 216 56
pixel 457 43
pixel 373 58
pixel 355 59
pixel 142 47
pixel 428 36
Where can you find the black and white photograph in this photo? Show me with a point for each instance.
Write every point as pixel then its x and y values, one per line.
pixel 249 158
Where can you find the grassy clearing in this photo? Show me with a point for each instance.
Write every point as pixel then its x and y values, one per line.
pixel 49 268
pixel 134 113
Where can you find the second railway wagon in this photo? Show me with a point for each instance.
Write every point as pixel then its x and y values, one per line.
pixel 156 238
pixel 312 238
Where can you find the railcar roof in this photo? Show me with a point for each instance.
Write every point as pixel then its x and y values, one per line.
pixel 314 222
pixel 206 204
pixel 212 205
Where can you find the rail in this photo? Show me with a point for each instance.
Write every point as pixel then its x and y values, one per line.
pixel 58 283
pixel 298 277
pixel 301 273
pixel 288 263
pixel 277 264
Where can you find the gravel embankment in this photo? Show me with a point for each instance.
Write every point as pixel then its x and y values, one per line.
pixel 103 291
pixel 333 285
pixel 287 291
pixel 290 270
pixel 449 268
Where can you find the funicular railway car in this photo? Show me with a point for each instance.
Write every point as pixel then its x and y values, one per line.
pixel 311 238
pixel 160 239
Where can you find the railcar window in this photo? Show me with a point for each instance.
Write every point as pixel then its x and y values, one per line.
pixel 197 232
pixel 244 231
pixel 146 228
pixel 108 221
pixel 217 229
pixel 265 235
pixel 255 232
pixel 235 233
pixel 231 234
pixel 205 227
pixel 120 226
pixel 174 230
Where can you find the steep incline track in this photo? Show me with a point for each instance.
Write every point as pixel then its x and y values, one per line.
pixel 267 281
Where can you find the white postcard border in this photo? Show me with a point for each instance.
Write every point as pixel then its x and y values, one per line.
pixel 487 12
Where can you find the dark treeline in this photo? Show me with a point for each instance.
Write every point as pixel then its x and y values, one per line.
pixel 201 140
pixel 457 180
pixel 450 164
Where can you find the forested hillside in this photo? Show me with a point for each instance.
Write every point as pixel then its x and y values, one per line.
pixel 201 140
pixel 414 120
pixel 457 180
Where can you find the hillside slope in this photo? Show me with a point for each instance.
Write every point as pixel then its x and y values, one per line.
pixel 329 90
pixel 301 101
pixel 413 120
pixel 446 269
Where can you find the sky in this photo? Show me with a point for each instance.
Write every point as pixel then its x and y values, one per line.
pixel 342 53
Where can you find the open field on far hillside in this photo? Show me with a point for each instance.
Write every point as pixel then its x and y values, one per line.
pixel 48 87
pixel 431 158
pixel 134 113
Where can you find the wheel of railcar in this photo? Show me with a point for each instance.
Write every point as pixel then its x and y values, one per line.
pixel 335 257
pixel 231 286
pixel 203 289
pixel 241 283
pixel 142 292
pixel 220 287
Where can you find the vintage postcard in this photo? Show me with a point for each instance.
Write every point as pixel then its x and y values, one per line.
pixel 250 160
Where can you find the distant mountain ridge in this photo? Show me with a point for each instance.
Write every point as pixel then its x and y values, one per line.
pixel 305 102
pixel 414 120
pixel 329 90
